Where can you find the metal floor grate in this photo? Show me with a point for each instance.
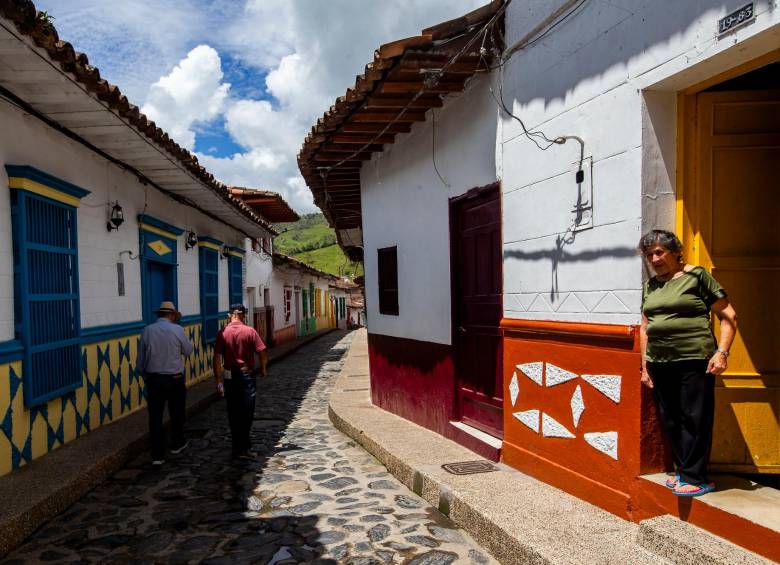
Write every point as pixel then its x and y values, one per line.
pixel 469 467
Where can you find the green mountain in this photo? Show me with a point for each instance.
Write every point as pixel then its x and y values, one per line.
pixel 313 241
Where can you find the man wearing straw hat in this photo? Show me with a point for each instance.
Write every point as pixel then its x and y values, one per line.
pixel 160 352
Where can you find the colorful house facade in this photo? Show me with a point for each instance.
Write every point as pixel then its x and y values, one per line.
pixel 102 217
pixel 503 167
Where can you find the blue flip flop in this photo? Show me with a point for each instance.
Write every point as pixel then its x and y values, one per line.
pixel 701 488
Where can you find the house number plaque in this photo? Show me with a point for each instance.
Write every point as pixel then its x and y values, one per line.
pixel 736 19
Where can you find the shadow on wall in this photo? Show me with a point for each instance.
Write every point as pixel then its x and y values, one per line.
pixel 559 255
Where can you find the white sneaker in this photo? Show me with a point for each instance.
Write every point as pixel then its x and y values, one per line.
pixel 158 462
pixel 180 449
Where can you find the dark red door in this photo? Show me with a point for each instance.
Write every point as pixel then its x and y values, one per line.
pixel 477 307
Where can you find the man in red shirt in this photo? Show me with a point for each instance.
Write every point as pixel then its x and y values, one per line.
pixel 234 368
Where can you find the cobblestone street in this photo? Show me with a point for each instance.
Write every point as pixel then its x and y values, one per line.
pixel 312 496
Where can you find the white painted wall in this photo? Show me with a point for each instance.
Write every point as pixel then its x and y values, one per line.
pixel 282 277
pixel 608 74
pixel 259 267
pixel 24 140
pixel 405 204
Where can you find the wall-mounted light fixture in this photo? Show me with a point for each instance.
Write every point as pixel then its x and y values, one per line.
pixel 115 218
pixel 192 240
pixel 225 252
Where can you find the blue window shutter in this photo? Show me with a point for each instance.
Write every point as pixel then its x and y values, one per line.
pixel 209 293
pixel 47 295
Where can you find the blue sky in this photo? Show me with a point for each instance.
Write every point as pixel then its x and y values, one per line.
pixel 241 82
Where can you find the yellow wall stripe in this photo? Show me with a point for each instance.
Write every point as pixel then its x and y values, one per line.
pixel 158 231
pixel 236 254
pixel 209 245
pixel 42 190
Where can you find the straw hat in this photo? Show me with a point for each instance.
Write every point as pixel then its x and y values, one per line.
pixel 167 307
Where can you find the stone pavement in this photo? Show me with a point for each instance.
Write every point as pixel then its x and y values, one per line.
pixel 312 495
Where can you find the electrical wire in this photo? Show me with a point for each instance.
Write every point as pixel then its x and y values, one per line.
pixel 428 84
pixel 433 148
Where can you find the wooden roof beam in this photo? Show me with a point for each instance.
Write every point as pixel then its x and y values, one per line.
pixel 414 87
pixel 398 127
pixel 402 102
pixel 380 117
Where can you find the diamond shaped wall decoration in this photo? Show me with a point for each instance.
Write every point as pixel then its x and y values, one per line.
pixel 533 371
pixel 577 405
pixel 159 247
pixel 556 375
pixel 514 389
pixel 530 418
pixel 608 385
pixel 553 428
pixel 606 442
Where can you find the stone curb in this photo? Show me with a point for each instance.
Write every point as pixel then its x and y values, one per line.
pixel 48 485
pixel 681 542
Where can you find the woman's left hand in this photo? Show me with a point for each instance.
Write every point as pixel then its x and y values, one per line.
pixel 717 363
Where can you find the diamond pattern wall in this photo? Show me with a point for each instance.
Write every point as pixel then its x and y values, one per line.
pixel 112 389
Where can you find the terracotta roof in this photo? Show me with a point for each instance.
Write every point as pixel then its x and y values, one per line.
pixel 406 79
pixel 300 265
pixel 270 205
pixel 32 24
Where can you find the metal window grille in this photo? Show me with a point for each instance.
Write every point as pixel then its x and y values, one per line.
pixel 209 293
pixel 46 295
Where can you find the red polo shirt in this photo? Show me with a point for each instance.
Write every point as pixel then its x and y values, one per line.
pixel 238 343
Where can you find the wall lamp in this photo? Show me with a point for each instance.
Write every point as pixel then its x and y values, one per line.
pixel 115 218
pixel 225 252
pixel 192 240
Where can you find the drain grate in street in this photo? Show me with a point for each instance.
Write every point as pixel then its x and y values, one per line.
pixel 469 467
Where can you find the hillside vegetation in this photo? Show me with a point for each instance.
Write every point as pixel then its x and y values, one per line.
pixel 313 241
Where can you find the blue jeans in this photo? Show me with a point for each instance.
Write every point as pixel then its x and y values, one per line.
pixel 240 394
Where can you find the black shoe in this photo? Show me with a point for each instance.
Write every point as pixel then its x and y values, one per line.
pixel 181 448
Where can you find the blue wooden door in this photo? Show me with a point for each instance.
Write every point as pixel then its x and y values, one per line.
pixel 160 286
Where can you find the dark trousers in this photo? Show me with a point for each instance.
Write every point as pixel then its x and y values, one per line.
pixel 685 394
pixel 240 394
pixel 159 390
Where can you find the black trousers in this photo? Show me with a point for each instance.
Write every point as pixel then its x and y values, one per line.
pixel 240 394
pixel 159 390
pixel 685 394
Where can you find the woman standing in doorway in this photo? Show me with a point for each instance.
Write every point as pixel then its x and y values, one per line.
pixel 680 356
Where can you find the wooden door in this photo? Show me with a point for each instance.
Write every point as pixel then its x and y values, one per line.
pixel 477 308
pixel 738 191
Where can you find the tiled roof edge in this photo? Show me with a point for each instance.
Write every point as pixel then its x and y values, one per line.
pixel 29 22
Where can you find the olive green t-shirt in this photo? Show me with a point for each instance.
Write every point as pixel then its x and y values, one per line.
pixel 678 315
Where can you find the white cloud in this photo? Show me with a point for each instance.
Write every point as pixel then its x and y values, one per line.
pixel 192 92
pixel 310 52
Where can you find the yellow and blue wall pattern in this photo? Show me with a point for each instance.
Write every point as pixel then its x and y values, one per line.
pixel 111 389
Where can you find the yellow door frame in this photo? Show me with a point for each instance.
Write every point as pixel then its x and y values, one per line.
pixel 688 220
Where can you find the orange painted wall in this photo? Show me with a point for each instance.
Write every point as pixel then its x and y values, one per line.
pixel 572 464
pixel 284 335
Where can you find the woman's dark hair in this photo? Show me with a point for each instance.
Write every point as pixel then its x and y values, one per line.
pixel 665 239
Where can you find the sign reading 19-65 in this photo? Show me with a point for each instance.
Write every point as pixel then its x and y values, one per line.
pixel 736 19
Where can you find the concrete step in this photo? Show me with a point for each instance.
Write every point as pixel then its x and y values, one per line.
pixel 685 544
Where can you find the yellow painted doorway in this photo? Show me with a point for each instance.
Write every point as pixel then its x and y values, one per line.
pixel 731 217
